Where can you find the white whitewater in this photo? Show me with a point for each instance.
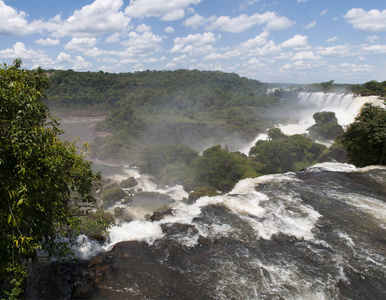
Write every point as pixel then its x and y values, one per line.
pixel 346 107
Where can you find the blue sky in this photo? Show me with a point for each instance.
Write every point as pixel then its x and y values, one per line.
pixel 293 41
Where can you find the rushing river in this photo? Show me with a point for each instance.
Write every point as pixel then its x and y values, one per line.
pixel 316 234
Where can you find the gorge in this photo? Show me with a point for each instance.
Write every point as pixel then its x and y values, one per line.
pixel 315 234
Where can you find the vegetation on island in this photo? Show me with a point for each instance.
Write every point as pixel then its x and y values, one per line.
pixel 365 138
pixel 326 126
pixel 42 179
pixel 281 153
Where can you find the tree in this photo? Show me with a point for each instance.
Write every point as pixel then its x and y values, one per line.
pixel 365 139
pixel 289 153
pixel 41 178
pixel 219 168
pixel 275 134
pixel 326 126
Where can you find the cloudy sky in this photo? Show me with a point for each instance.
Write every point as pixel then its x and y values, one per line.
pixel 299 41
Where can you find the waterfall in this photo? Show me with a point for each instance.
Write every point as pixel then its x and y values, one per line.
pixel 316 234
pixel 346 106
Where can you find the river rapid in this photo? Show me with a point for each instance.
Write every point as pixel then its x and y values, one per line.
pixel 316 234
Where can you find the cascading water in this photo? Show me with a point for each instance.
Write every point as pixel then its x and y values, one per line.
pixel 317 234
pixel 346 107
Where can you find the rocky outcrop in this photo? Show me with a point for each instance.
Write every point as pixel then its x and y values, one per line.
pixel 131 270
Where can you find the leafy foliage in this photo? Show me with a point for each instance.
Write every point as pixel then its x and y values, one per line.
pixel 180 88
pixel 291 153
pixel 167 162
pixel 202 191
pixel 365 139
pixel 182 106
pixel 275 134
pixel 326 126
pixel 369 88
pixel 221 169
pixel 41 177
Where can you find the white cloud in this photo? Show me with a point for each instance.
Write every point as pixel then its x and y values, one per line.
pixel 63 58
pixel 253 63
pixel 114 38
pixel 143 28
pixel 110 60
pixel 170 65
pixel 95 52
pixel 251 48
pixel 195 21
pixel 324 12
pixel 259 40
pixel 376 49
pixel 215 56
pixel 47 42
pixel 195 43
pixel 139 46
pixel 299 1
pixel 333 39
pixel 146 39
pixel 80 44
pixel 169 29
pixel 181 59
pixel 373 20
pixel 81 64
pixel 166 10
pixel 36 57
pixel 18 50
pixel 296 41
pixel 337 51
pixel 247 3
pixel 279 23
pixel 269 49
pixel 309 26
pixel 353 68
pixel 11 21
pixel 372 39
pixel 100 17
pixel 305 55
pixel 244 22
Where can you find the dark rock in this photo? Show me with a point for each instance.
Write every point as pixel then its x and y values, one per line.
pixel 128 183
pixel 55 280
pixel 159 215
pixel 172 229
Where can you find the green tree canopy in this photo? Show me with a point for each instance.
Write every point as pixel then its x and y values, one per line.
pixel 288 153
pixel 326 126
pixel 41 177
pixel 219 168
pixel 365 139
pixel 275 134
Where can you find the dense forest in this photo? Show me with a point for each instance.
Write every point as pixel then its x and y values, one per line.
pixel 151 107
pixel 155 89
pixel 370 88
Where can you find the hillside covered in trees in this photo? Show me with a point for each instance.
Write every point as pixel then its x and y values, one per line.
pixel 370 88
pixel 197 108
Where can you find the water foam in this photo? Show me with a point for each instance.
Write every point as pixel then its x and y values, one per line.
pixel 134 231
